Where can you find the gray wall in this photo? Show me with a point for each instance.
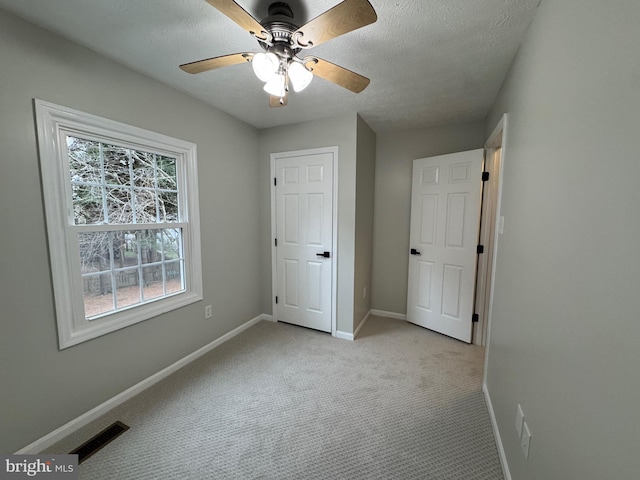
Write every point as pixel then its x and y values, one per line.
pixel 340 132
pixel 43 388
pixel 394 163
pixel 565 324
pixel 365 183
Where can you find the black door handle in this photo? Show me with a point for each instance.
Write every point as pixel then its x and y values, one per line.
pixel 324 254
pixel 414 252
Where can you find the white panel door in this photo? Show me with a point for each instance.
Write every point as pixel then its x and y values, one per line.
pixel 304 222
pixel 445 218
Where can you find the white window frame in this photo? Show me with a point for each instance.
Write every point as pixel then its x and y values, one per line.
pixel 54 123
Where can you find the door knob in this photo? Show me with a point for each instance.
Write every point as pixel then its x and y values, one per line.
pixel 414 252
pixel 324 254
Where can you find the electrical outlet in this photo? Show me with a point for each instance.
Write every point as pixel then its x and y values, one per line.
pixel 519 421
pixel 208 313
pixel 525 440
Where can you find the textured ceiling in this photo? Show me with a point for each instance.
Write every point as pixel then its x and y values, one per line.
pixel 431 62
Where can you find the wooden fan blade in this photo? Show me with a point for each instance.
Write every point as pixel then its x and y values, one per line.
pixel 343 18
pixel 336 74
pixel 275 102
pixel 239 15
pixel 216 62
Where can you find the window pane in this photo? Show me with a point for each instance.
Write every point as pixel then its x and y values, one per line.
pixel 98 294
pixel 166 171
pixel 95 255
pixel 132 261
pixel 121 256
pixel 150 246
pixel 168 203
pixel 119 205
pixel 128 287
pixel 174 276
pixel 143 166
pixel 172 243
pixel 84 160
pixel 87 204
pixel 116 165
pixel 146 206
pixel 153 282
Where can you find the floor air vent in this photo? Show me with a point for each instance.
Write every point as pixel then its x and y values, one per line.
pixel 100 441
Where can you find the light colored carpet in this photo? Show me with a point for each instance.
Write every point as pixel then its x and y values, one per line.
pixel 283 402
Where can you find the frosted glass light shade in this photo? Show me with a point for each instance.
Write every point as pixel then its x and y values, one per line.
pixel 299 75
pixel 265 65
pixel 276 86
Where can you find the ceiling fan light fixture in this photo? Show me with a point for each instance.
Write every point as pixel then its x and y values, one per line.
pixel 265 65
pixel 300 76
pixel 276 86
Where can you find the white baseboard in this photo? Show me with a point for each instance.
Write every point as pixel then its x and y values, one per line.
pixel 496 434
pixel 79 422
pixel 345 336
pixel 364 320
pixel 382 313
pixel 352 336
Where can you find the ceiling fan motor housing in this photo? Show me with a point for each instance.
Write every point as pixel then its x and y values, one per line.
pixel 281 26
pixel 280 8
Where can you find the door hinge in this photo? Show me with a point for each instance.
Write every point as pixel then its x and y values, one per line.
pixel 276 299
pixel 275 241
pixel 475 318
pixel 480 249
pixel 485 176
pixel 275 181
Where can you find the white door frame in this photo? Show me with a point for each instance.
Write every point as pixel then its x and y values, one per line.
pixel 488 231
pixel 334 224
pixel 497 139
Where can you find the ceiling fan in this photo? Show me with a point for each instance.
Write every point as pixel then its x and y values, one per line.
pixel 281 39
